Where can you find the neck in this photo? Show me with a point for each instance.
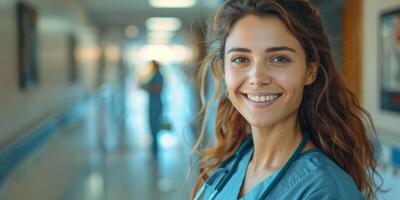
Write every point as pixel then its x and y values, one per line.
pixel 273 146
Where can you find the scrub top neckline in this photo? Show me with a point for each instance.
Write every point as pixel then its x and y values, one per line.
pixel 263 184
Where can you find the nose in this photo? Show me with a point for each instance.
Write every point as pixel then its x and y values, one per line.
pixel 259 75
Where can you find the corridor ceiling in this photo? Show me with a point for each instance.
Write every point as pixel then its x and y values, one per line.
pixel 106 13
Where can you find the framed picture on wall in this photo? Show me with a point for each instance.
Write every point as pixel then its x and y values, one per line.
pixel 27 45
pixel 73 65
pixel 389 60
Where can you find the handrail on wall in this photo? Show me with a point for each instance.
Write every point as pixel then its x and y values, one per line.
pixel 16 151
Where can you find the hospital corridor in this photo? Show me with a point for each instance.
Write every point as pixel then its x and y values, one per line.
pixel 98 152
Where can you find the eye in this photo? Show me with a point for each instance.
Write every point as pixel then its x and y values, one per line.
pixel 280 59
pixel 239 60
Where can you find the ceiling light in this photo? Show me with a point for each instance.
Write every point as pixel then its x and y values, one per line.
pixel 163 24
pixel 158 36
pixel 172 3
pixel 131 31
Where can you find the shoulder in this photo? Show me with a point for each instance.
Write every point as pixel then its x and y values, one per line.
pixel 315 176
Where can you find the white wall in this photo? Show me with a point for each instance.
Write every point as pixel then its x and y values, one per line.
pixel 386 122
pixel 21 109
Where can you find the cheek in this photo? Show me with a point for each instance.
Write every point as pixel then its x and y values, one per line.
pixel 293 82
pixel 233 80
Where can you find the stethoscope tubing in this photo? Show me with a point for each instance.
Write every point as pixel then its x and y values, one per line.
pixel 285 168
pixel 243 149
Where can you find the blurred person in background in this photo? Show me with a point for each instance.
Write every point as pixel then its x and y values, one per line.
pixel 287 126
pixel 154 87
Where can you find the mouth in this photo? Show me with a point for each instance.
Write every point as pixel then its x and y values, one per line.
pixel 263 98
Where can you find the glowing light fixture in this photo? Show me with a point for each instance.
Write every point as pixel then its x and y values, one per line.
pixel 131 31
pixel 159 34
pixel 159 37
pixel 172 3
pixel 162 52
pixel 163 24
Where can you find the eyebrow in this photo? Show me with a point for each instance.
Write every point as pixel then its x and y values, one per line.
pixel 268 50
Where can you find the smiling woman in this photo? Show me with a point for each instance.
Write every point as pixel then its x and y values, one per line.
pixel 287 127
pixel 265 71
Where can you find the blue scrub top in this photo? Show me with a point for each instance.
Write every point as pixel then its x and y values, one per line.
pixel 313 176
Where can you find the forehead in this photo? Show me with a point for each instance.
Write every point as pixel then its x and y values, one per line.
pixel 258 33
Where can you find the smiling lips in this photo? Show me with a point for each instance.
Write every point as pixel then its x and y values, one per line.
pixel 263 98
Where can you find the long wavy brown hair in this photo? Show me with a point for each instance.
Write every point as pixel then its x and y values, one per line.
pixel 329 111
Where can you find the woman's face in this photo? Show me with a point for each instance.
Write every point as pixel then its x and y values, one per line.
pixel 265 70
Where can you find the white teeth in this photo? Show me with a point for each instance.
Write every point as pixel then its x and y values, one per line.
pixel 266 98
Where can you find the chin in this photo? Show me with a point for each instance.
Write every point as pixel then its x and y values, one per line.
pixel 261 123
